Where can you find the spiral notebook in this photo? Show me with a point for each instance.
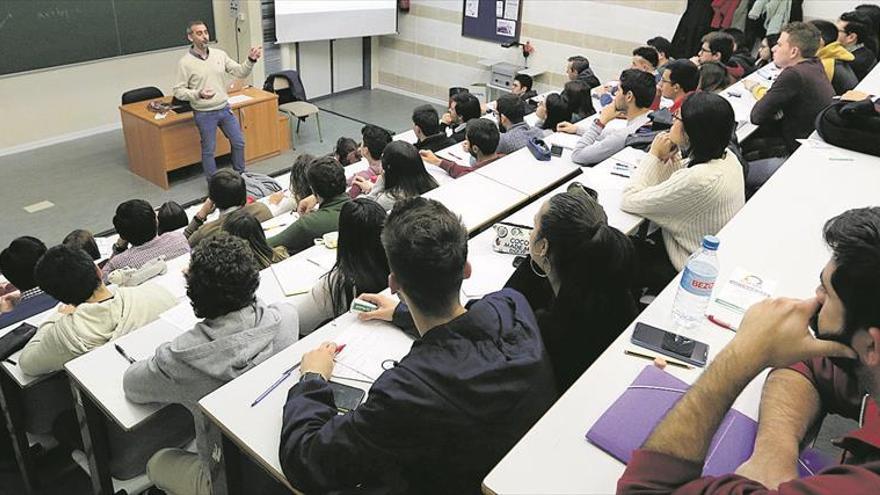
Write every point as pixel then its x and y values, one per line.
pixel 626 425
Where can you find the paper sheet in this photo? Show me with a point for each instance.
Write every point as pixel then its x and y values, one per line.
pixel 238 99
pixel 742 290
pixel 511 10
pixel 276 225
pixel 568 141
pixel 181 316
pixel 471 8
pixel 367 345
pixel 323 257
pixel 505 28
pixel 297 275
pixel 499 8
pixel 142 343
pixel 489 272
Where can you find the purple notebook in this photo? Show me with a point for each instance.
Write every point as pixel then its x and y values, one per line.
pixel 626 425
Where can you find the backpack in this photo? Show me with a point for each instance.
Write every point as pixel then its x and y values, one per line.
pixel 854 125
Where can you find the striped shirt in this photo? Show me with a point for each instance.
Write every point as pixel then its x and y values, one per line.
pixel 169 244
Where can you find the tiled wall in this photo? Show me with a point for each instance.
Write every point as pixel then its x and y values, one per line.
pixel 429 55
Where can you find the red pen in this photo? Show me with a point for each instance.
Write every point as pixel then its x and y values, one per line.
pixel 339 348
pixel 720 323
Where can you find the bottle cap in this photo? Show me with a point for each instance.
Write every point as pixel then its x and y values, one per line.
pixel 711 242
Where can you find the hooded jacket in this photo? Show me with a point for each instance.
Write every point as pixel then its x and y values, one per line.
pixel 835 59
pixel 212 353
pixel 588 76
pixel 63 337
pixel 438 421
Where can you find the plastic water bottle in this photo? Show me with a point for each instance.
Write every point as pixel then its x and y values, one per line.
pixel 696 284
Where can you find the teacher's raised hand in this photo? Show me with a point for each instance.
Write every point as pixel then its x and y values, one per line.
pixel 255 53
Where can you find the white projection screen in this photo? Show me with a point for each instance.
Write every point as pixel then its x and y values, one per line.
pixel 315 20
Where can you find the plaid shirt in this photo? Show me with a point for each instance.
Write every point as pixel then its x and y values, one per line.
pixel 169 244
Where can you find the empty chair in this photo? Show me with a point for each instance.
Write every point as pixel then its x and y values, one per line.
pixel 292 100
pixel 141 94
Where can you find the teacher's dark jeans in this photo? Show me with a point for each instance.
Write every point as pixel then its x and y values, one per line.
pixel 207 122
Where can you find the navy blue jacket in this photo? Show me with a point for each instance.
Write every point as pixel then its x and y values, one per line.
pixel 29 307
pixel 438 421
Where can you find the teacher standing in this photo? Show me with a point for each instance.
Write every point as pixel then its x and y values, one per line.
pixel 201 81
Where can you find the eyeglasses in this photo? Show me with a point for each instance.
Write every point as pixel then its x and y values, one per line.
pixel 677 117
pixel 667 81
pixel 703 49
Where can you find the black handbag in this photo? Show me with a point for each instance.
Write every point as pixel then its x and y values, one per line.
pixel 852 125
pixel 13 341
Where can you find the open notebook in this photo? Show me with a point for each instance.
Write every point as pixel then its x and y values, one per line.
pixel 626 425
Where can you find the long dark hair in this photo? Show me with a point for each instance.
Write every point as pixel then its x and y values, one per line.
pixel 242 224
pixel 709 121
pixel 405 174
pixel 580 101
pixel 557 111
pixel 596 263
pixel 361 265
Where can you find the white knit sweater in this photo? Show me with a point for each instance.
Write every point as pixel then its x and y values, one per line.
pixel 687 203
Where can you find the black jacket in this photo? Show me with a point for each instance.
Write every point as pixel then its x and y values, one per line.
pixel 844 78
pixel 864 62
pixel 435 142
pixel 438 421
pixel 694 23
pixel 588 76
pixel 295 92
pixel 456 132
pixel 526 99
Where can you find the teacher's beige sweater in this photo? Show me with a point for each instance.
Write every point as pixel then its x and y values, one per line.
pixel 687 203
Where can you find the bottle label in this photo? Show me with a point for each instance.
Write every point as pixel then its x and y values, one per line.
pixel 695 284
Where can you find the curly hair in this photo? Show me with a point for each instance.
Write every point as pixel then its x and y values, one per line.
pixel 223 276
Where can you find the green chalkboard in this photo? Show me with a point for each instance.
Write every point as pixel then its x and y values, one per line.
pixel 36 34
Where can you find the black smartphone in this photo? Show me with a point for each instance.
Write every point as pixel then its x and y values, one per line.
pixel 670 344
pixel 346 397
pixel 556 150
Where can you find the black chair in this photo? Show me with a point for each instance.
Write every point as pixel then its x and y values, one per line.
pixel 141 94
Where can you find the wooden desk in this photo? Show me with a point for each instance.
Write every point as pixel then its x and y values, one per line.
pixel 156 147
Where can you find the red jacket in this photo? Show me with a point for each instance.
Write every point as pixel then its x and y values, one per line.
pixel 654 473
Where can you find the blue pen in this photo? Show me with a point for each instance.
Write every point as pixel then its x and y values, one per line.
pixel 284 376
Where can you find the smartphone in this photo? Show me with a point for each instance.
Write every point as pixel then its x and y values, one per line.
pixel 556 150
pixel 346 397
pixel 670 344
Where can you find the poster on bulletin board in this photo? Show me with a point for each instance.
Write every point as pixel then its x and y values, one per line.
pixel 492 20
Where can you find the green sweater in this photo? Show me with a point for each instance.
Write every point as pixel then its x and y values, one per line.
pixel 302 233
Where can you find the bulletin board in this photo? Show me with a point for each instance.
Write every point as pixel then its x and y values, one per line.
pixel 498 21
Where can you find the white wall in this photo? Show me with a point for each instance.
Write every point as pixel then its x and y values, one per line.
pixel 430 55
pixel 57 104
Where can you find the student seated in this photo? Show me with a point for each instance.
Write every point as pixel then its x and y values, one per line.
pixel 92 316
pixel 511 112
pixel 854 33
pixel 244 226
pixel 403 176
pixel 360 266
pixel 664 51
pixel 481 144
pixel 742 51
pixel 327 180
pixel 837 370
pixel 714 77
pixel 475 381
pixel 83 239
pixel 137 224
pixel 237 332
pixel 645 58
pixel 578 69
pixel 835 58
pixel 590 267
pixel 171 217
pixel 632 101
pixel 687 197
pixel 462 108
pixel 226 192
pixel 374 139
pixel 765 51
pixel 552 111
pixel 426 125
pixel 25 298
pixel 580 100
pixel 346 151
pixel 298 189
pixel 522 87
pixel 718 47
pixel 679 78
pixel 800 92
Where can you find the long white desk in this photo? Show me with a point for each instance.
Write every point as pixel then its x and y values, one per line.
pixel 778 234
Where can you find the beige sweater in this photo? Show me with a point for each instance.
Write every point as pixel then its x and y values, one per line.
pixel 195 74
pixel 687 203
pixel 63 337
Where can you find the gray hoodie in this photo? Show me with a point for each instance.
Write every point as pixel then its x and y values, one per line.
pixel 213 353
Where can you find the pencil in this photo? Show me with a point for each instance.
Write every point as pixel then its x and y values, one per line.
pixel 645 356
